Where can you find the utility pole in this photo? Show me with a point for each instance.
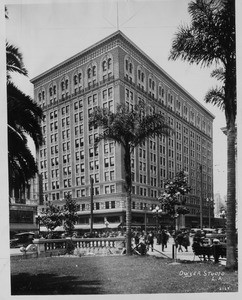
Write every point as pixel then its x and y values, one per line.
pixel 91 209
pixel 201 199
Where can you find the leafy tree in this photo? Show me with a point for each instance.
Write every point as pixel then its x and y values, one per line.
pixel 69 215
pixel 128 128
pixel 23 120
pixel 52 217
pixel 173 200
pixel 210 39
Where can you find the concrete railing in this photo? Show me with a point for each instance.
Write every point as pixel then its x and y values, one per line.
pixel 83 246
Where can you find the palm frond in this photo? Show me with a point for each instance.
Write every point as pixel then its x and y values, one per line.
pixel 219 74
pixel 209 38
pixel 24 114
pixel 14 60
pixel 216 97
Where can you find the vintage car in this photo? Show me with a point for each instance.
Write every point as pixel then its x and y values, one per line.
pixel 22 239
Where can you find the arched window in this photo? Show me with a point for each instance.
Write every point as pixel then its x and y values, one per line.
pixel 129 69
pixel 41 95
pixel 140 78
pixel 89 73
pixel 77 84
pixel 94 71
pixel 64 87
pixel 109 63
pixel 104 66
pixel 107 67
pixel 75 80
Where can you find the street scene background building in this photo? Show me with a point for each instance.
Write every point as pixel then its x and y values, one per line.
pixel 113 71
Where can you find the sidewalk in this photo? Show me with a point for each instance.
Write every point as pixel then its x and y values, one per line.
pixel 178 255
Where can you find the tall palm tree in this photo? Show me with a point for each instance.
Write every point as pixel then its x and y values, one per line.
pixel 129 128
pixel 23 120
pixel 14 61
pixel 211 39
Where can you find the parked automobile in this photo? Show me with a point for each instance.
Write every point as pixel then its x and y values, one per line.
pixel 22 239
pixel 193 231
pixel 209 230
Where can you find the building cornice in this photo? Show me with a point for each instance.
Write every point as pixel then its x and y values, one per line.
pixel 93 51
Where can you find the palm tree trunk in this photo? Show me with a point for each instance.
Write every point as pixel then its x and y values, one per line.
pixel 128 223
pixel 231 197
pixel 128 181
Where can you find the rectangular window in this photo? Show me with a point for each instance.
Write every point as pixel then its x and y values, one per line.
pixel 106 162
pixel 110 92
pixel 112 189
pixel 106 176
pixel 111 161
pixel 111 175
pixel 104 95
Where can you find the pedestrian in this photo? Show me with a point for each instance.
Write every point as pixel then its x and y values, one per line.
pixel 159 237
pixel 186 241
pixel 150 240
pixel 179 241
pixel 216 249
pixel 164 239
pixel 136 238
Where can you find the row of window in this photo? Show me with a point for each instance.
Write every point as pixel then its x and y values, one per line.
pixel 77 80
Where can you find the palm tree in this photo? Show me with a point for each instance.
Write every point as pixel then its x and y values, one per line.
pixel 211 39
pixel 23 120
pixel 14 61
pixel 129 128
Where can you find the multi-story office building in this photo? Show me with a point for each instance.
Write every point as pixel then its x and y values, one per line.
pixel 110 72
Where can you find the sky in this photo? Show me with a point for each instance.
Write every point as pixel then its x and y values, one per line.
pixel 48 32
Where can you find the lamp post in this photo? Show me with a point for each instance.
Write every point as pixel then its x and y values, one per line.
pixel 209 201
pixel 201 198
pixel 157 211
pixel 91 208
pixel 38 219
pixel 223 215
pixel 106 224
pixel 145 210
pixel 176 220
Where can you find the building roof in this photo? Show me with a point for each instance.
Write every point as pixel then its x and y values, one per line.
pixel 113 36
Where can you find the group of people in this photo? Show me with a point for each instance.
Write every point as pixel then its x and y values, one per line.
pixel 207 247
pixel 163 238
pixel 145 241
pixel 182 239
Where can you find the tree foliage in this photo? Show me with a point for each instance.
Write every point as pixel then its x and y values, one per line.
pixel 210 39
pixel 23 120
pixel 51 217
pixel 69 214
pixel 173 200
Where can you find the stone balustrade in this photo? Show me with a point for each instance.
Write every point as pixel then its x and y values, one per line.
pixel 84 246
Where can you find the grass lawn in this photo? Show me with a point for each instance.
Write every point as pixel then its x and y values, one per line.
pixel 117 275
